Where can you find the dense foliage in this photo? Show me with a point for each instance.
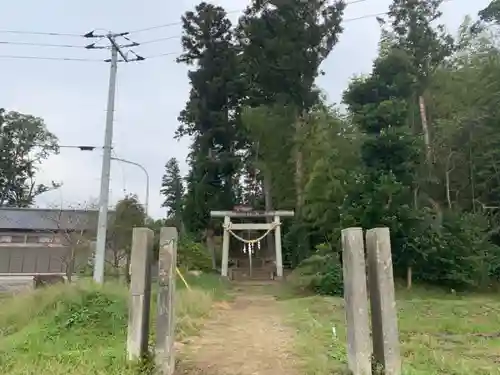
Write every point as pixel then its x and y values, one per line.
pixel 25 142
pixel 416 149
pixel 193 255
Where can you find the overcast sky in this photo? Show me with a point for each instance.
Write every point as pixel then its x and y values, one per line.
pixel 71 96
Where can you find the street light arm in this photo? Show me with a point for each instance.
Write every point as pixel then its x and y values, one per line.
pixel 132 163
pixel 146 205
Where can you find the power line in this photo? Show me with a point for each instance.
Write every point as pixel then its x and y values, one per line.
pixel 26 32
pixel 166 38
pixel 229 12
pixel 137 31
pixel 159 39
pixel 110 37
pixel 153 40
pixel 19 57
pixel 365 16
pixel 180 36
pixel 49 58
pixel 163 55
pixel 41 44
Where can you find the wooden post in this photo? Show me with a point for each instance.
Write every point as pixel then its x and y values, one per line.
pixel 250 265
pixel 165 322
pixel 225 247
pixel 277 241
pixel 140 293
pixel 356 302
pixel 386 350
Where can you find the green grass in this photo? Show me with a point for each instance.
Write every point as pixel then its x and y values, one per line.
pixel 80 329
pixel 212 283
pixel 440 333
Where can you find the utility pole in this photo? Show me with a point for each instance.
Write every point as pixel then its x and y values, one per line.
pixel 102 223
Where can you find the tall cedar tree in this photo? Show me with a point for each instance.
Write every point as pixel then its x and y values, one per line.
pixel 491 13
pixel 283 44
pixel 412 24
pixel 172 189
pixel 211 114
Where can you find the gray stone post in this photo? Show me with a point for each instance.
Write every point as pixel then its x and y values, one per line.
pixel 225 247
pixel 165 321
pixel 140 293
pixel 386 347
pixel 277 245
pixel 356 302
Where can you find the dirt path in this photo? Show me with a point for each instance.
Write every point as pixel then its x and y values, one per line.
pixel 245 337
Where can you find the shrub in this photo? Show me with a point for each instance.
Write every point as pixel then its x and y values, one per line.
pixel 81 328
pixel 445 247
pixel 193 255
pixel 320 273
pixel 459 254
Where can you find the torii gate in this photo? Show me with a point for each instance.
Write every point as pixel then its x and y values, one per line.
pixel 248 213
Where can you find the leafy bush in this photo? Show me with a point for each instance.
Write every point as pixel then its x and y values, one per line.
pixel 458 254
pixel 193 255
pixel 296 242
pixel 449 248
pixel 320 273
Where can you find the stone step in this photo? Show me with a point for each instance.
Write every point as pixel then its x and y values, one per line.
pixel 256 274
pixel 253 283
pixel 256 263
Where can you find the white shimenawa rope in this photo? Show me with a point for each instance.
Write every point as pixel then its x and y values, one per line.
pixel 228 228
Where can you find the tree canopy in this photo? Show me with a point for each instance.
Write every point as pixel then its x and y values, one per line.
pixel 25 142
pixel 415 149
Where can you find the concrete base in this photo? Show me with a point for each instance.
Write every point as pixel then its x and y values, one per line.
pixel 16 284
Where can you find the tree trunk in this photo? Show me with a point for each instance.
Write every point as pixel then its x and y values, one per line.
pixel 409 270
pixel 447 179
pixel 127 269
pixel 182 228
pixel 70 265
pixel 299 178
pixel 269 207
pixel 409 277
pixel 299 166
pixel 116 262
pixel 439 213
pixel 425 130
pixel 471 173
pixel 209 240
pixel 448 193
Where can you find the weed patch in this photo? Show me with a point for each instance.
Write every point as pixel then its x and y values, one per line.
pixel 81 329
pixel 453 335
